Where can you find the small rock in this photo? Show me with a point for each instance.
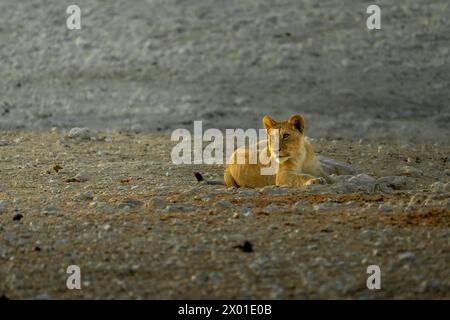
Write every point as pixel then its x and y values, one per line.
pixel 247 192
pixel 410 171
pixel 17 217
pixel 130 203
pixel 440 187
pixel 362 178
pixel 82 176
pixel 275 190
pixel 246 247
pixel 80 134
pixel 84 196
pixel 271 208
pixel 390 183
pixel 2 206
pixel 158 203
pixel 406 256
pixel 104 207
pixel 331 166
pixel 206 198
pixel 327 229
pixel 50 211
pixel 385 207
pixel 10 237
pixel 224 204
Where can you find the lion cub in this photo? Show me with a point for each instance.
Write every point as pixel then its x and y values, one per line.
pixel 297 162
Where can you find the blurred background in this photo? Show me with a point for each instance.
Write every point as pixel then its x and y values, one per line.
pixel 157 65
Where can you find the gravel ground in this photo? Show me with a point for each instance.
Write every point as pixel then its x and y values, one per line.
pixel 134 65
pixel 112 202
pixel 140 227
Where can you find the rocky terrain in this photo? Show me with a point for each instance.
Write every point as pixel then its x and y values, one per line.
pixel 109 199
pixel 140 227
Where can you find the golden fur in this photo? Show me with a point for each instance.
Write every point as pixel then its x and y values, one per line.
pixel 298 165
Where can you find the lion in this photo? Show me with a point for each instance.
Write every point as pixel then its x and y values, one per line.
pixel 298 165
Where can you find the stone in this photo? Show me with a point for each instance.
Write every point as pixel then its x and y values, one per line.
pixel 158 203
pixel 224 204
pixel 440 187
pixel 82 177
pixel 2 206
pixel 406 256
pixel 332 166
pixel 275 190
pixel 130 203
pixel 390 183
pixel 84 196
pixel 50 211
pixel 410 171
pixel 80 134
pixel 385 207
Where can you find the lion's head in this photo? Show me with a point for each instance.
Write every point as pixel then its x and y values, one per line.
pixel 290 136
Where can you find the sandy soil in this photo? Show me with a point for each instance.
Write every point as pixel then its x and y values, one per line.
pixel 140 227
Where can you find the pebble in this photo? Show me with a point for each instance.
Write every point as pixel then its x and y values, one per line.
pixel 247 192
pixel 410 171
pixel 390 183
pixel 158 203
pixel 50 211
pixel 80 134
pixel 17 217
pixel 82 176
pixel 104 207
pixel 2 206
pixel 406 256
pixel 332 166
pixel 224 204
pixel 440 187
pixel 327 229
pixel 271 208
pixel 385 207
pixel 130 203
pixel 84 196
pixel 275 190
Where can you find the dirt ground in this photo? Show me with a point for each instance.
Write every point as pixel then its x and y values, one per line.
pixel 140 227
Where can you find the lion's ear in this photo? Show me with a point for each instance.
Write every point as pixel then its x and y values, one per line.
pixel 297 122
pixel 268 122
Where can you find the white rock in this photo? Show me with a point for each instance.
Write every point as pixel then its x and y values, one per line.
pixel 80 134
pixel 406 256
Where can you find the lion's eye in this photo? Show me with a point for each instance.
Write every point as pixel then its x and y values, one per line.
pixel 285 136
